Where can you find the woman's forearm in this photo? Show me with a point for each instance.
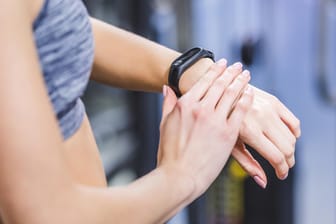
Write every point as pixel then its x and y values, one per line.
pixel 125 60
pixel 151 199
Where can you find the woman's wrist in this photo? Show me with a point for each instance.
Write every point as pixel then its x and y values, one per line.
pixel 182 185
pixel 194 73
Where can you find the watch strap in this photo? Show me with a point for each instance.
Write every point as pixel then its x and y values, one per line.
pixel 182 63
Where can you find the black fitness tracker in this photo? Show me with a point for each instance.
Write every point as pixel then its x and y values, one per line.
pixel 182 63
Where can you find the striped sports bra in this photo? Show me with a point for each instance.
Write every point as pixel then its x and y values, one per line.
pixel 64 42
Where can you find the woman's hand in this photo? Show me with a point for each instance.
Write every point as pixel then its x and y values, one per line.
pixel 269 127
pixel 199 130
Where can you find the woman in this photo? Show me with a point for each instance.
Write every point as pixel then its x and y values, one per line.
pixel 49 163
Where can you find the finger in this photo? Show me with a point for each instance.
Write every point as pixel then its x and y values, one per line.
pixel 187 110
pixel 290 120
pixel 219 86
pixel 201 86
pixel 241 108
pixel 270 152
pixel 291 161
pixel 170 132
pixel 169 102
pixel 283 139
pixel 232 93
pixel 168 105
pixel 249 164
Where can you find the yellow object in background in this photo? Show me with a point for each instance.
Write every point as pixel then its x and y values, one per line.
pixel 236 171
pixel 226 196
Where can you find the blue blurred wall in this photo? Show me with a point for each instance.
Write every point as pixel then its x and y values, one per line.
pixel 297 45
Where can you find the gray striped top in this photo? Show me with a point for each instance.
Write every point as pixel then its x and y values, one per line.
pixel 64 41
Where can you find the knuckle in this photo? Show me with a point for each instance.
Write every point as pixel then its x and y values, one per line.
pixel 226 134
pixel 289 153
pixel 255 111
pixel 242 105
pixel 293 141
pixel 279 160
pixel 241 80
pixel 245 129
pixel 230 91
pixel 291 164
pixel 180 105
pixel 220 82
pixel 282 174
pixel 297 124
pixel 202 114
pixel 229 73
pixel 183 108
pixel 199 112
pixel 249 132
pixel 184 103
pixel 195 111
pixel 185 97
pixel 260 110
pixel 283 170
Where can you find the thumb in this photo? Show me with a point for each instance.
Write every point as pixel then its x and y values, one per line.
pixel 168 105
pixel 169 101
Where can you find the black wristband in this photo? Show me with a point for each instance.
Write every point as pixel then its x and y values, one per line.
pixel 182 63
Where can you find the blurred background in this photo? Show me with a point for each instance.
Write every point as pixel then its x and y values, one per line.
pixel 290 48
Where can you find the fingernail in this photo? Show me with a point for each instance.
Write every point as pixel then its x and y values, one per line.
pixel 259 181
pixel 164 90
pixel 246 74
pixel 222 62
pixel 284 177
pixel 237 65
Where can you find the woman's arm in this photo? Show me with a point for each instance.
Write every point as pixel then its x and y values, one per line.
pixel 126 60
pixel 32 168
pixel 184 169
pixel 35 185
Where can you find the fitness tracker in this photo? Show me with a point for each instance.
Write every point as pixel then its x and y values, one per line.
pixel 182 63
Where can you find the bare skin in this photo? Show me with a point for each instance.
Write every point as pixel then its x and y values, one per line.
pixel 275 144
pixel 83 158
pixel 80 150
pixel 270 128
pixel 40 189
pixel 74 165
